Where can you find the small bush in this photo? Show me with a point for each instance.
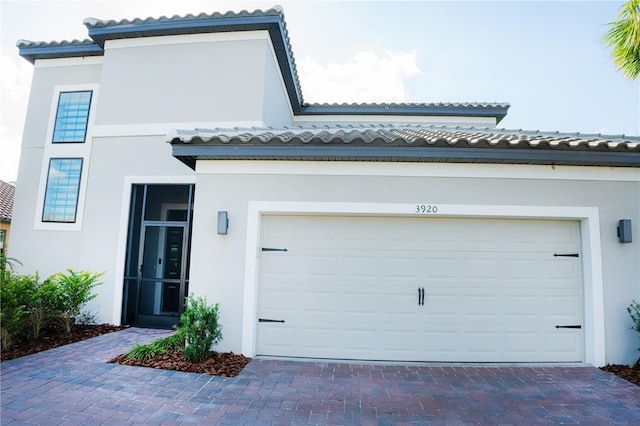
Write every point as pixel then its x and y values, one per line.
pixel 201 328
pixel 87 317
pixel 12 309
pixel 76 290
pixel 634 313
pixel 175 341
pixel 145 352
pixel 43 305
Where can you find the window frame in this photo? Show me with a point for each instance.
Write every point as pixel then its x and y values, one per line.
pixel 66 150
pixel 57 115
pixel 77 190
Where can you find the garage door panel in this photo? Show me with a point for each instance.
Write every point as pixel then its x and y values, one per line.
pixel 493 290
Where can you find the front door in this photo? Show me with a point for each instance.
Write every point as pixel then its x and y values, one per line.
pixel 161 282
pixel 157 263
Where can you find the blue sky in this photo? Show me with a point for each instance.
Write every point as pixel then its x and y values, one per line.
pixel 545 58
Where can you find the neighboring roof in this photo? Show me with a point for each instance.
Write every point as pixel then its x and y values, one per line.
pixel 271 20
pixel 414 143
pixel 7 192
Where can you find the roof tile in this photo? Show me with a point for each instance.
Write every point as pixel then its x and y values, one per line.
pixel 7 192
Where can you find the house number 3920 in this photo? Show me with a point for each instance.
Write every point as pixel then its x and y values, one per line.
pixel 426 208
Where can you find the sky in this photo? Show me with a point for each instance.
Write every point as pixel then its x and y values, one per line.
pixel 545 58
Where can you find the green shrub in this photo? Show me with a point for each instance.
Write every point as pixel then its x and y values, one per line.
pixel 199 323
pixel 157 347
pixel 76 290
pixel 43 303
pixel 12 309
pixel 634 312
pixel 145 352
pixel 6 265
pixel 175 341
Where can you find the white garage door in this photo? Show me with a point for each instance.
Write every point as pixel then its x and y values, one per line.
pixel 420 289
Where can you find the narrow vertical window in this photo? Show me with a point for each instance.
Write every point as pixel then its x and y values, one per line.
pixel 63 185
pixel 72 117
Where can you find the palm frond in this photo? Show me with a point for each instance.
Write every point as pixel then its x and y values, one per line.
pixel 624 39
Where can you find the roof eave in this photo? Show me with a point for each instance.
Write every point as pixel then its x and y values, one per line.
pixel 459 111
pixel 31 54
pixel 190 153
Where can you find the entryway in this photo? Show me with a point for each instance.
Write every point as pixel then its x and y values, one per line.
pixel 158 250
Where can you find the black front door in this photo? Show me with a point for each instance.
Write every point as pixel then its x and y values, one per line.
pixel 157 277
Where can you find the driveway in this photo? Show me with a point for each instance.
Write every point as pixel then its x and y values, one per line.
pixel 74 385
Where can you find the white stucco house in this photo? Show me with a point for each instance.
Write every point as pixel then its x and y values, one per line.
pixel 177 154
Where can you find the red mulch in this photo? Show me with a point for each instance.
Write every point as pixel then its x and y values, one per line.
pixel 218 364
pixel 53 337
pixel 628 373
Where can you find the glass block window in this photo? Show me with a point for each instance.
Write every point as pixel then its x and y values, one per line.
pixel 63 185
pixel 72 117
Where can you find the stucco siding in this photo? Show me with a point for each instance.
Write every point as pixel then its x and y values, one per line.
pixel 95 248
pixel 218 262
pixel 201 81
pixel 46 77
pixel 276 108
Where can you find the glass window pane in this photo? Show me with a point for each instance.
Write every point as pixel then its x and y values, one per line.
pixel 72 116
pixel 63 185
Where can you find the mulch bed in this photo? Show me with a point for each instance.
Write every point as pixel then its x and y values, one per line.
pixel 53 337
pixel 626 372
pixel 225 364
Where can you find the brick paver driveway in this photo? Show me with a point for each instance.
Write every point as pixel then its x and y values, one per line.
pixel 74 385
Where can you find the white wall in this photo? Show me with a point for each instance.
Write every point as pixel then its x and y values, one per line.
pixel 206 78
pixel 218 262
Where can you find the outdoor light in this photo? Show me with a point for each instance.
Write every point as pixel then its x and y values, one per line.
pixel 624 230
pixel 223 222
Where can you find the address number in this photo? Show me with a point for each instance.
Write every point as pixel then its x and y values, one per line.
pixel 426 208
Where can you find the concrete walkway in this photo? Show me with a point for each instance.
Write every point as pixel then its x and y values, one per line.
pixel 74 385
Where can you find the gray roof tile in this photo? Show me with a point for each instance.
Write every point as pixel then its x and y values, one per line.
pixel 7 192
pixel 422 143
pixel 385 134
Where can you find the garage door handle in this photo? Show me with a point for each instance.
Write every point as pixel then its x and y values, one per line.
pixel 269 320
pixel 568 326
pixel 420 296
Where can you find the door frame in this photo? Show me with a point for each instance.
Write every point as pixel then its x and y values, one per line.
pixel 593 303
pixel 123 229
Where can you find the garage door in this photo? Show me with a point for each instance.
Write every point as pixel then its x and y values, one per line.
pixel 420 289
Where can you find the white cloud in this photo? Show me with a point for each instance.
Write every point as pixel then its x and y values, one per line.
pixel 15 82
pixel 368 77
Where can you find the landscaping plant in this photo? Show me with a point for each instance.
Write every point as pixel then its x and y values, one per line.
pixel 43 303
pixel 634 312
pixel 201 328
pixel 76 290
pixel 149 351
pixel 12 310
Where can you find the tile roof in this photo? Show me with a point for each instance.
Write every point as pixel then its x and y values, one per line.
pixel 386 142
pixel 271 20
pixel 7 192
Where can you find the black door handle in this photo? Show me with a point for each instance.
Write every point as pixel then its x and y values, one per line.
pixel 420 296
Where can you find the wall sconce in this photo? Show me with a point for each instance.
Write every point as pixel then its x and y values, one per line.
pixel 223 222
pixel 624 230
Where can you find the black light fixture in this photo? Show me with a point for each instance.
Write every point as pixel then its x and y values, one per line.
pixel 223 222
pixel 624 230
